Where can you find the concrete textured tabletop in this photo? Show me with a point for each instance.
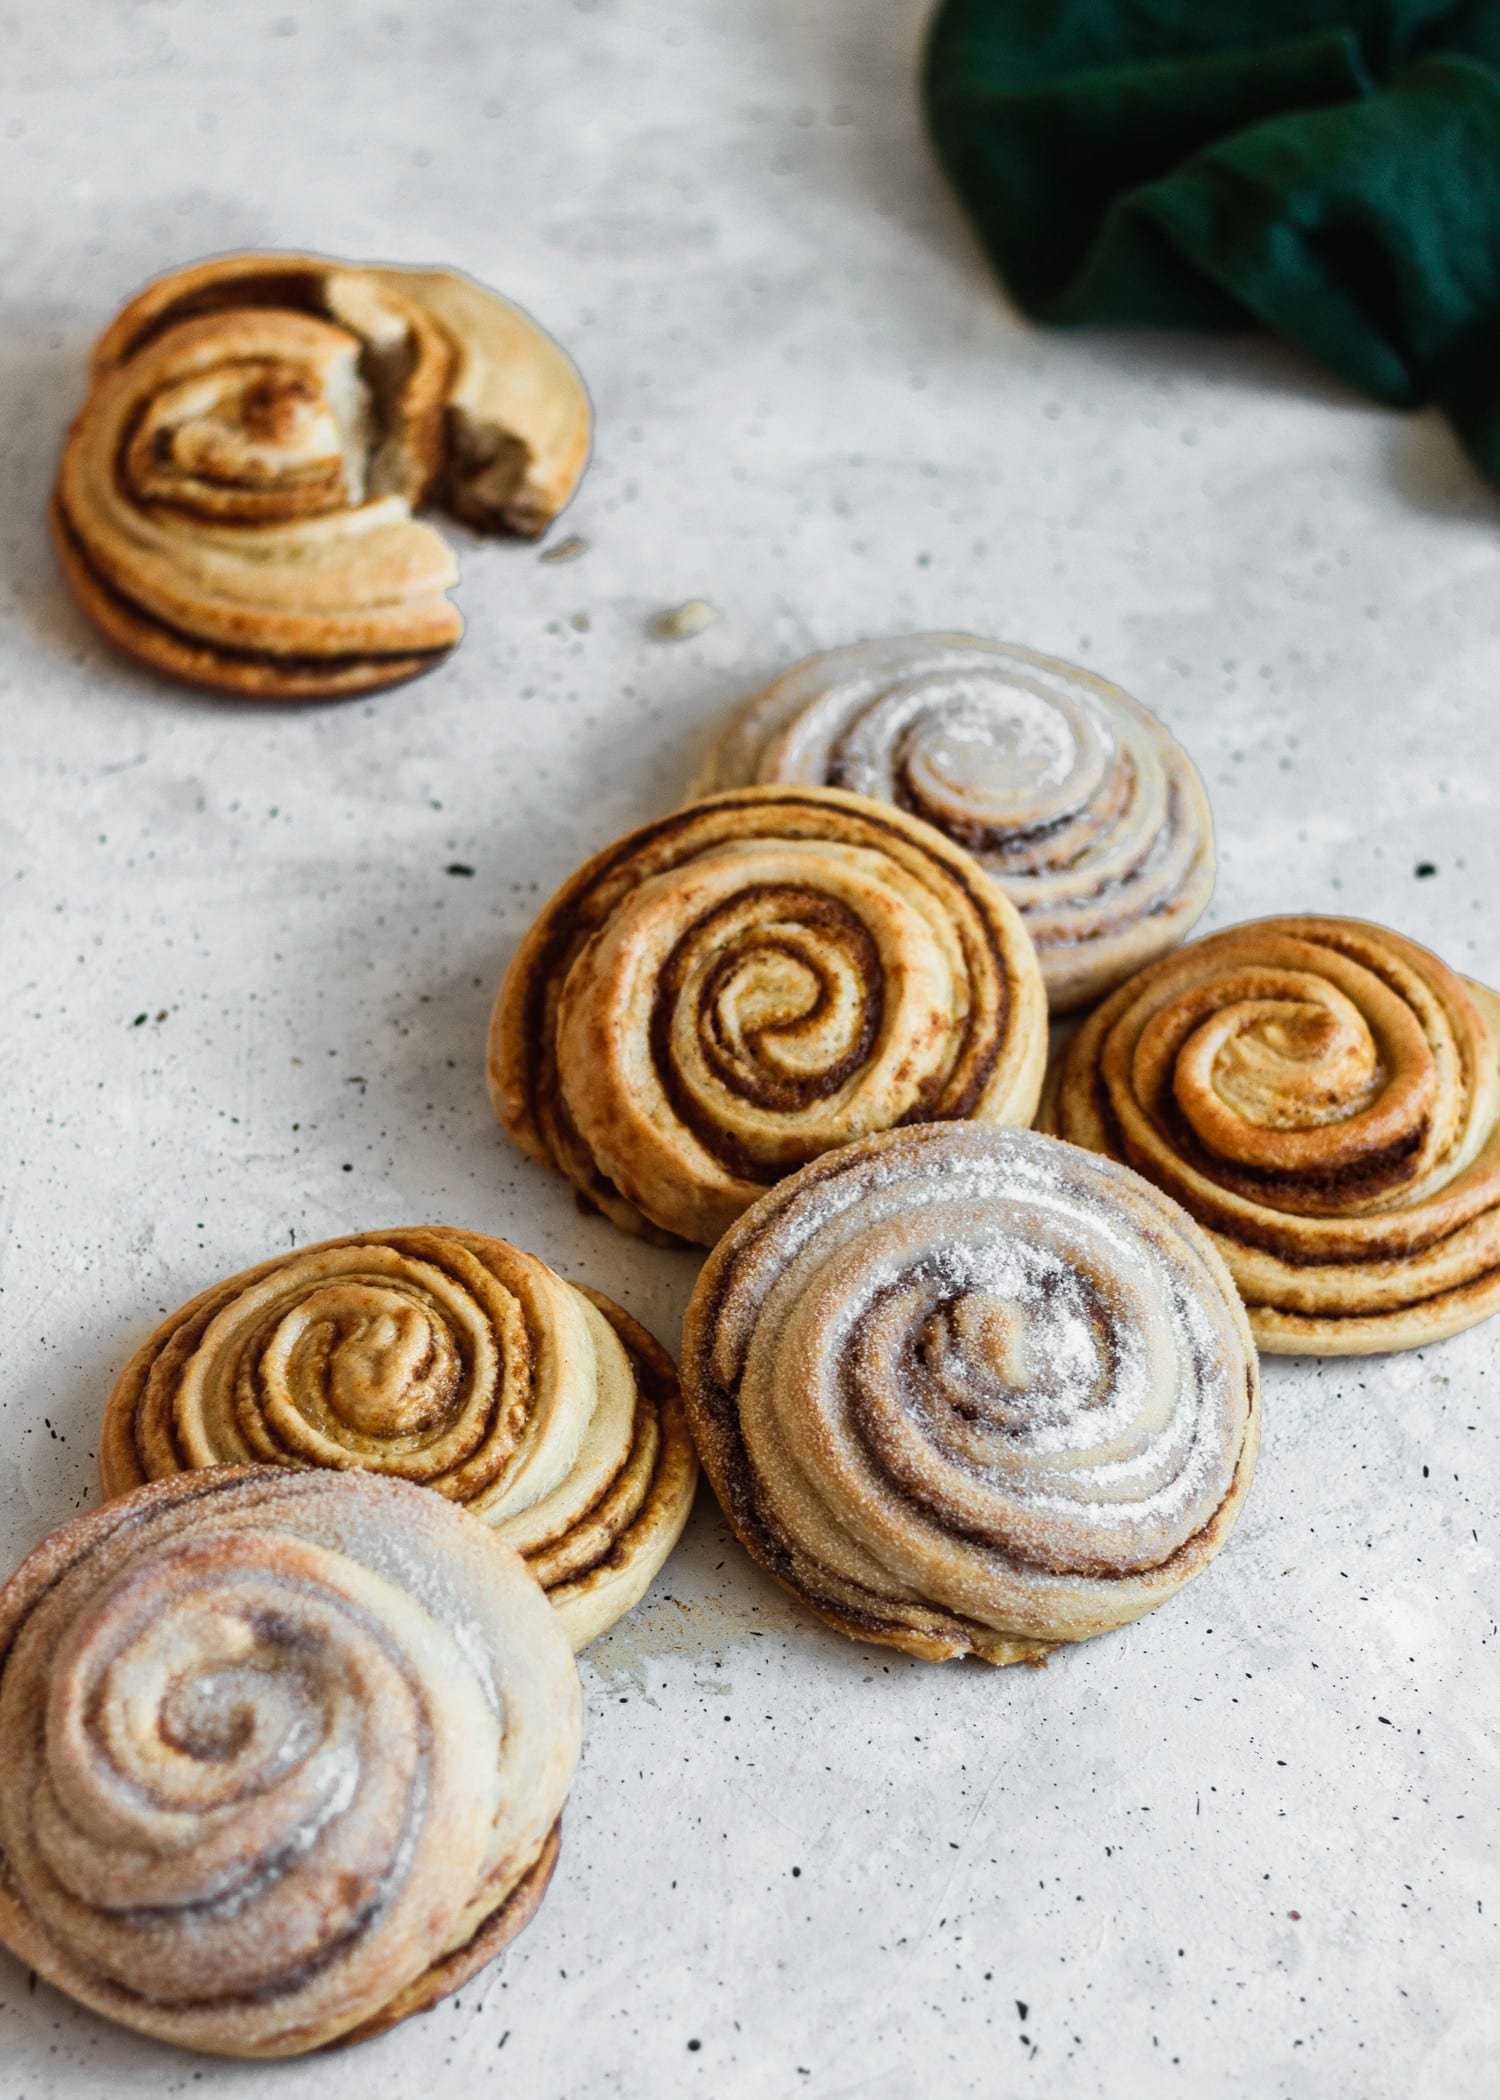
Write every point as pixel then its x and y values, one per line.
pixel 1249 1845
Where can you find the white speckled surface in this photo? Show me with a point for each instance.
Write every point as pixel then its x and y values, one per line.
pixel 1248 1847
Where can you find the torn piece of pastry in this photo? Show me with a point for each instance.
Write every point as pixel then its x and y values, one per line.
pixel 236 500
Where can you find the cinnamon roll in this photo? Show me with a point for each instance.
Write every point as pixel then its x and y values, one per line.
pixel 972 1391
pixel 441 1357
pixel 1324 1096
pixel 235 503
pixel 284 1758
pixel 728 992
pixel 1090 816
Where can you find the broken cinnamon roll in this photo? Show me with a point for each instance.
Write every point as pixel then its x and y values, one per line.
pixel 236 500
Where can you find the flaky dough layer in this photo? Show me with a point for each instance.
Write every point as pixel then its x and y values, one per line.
pixel 1324 1096
pixel 446 1358
pixel 735 989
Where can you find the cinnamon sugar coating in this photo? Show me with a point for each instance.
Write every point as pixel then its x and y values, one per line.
pixel 285 1756
pixel 971 1391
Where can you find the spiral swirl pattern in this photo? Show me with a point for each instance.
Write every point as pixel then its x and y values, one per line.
pixel 972 1391
pixel 1324 1096
pixel 729 992
pixel 441 1357
pixel 1090 816
pixel 284 1756
pixel 235 501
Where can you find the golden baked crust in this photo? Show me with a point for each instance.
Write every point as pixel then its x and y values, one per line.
pixel 603 1566
pixel 1090 816
pixel 235 500
pixel 452 1971
pixel 1324 1096
pixel 447 1358
pixel 250 674
pixel 732 990
pixel 285 1755
pixel 969 1391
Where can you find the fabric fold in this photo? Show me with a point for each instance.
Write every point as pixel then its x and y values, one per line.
pixel 1331 172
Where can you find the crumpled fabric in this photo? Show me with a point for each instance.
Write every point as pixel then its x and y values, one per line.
pixel 1331 171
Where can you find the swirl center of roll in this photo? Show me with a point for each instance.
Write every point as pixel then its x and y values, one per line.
pixel 211 1717
pixel 1280 1072
pixel 210 1686
pixel 984 1334
pixel 977 752
pixel 256 440
pixel 1285 1066
pixel 777 991
pixel 996 1349
pixel 247 423
pixel 371 1358
pixel 989 760
pixel 772 1000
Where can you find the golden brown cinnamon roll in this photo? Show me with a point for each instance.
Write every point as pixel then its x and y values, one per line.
pixel 1088 813
pixel 971 1391
pixel 726 993
pixel 1324 1096
pixel 284 1756
pixel 235 500
pixel 440 1357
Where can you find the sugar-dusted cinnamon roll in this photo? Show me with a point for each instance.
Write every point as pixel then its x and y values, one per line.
pixel 1078 801
pixel 1324 1096
pixel 284 1756
pixel 726 993
pixel 235 500
pixel 440 1357
pixel 972 1391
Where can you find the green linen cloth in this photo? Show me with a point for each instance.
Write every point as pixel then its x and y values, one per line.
pixel 1329 168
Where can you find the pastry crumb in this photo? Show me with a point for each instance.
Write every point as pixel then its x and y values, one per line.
pixel 679 623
